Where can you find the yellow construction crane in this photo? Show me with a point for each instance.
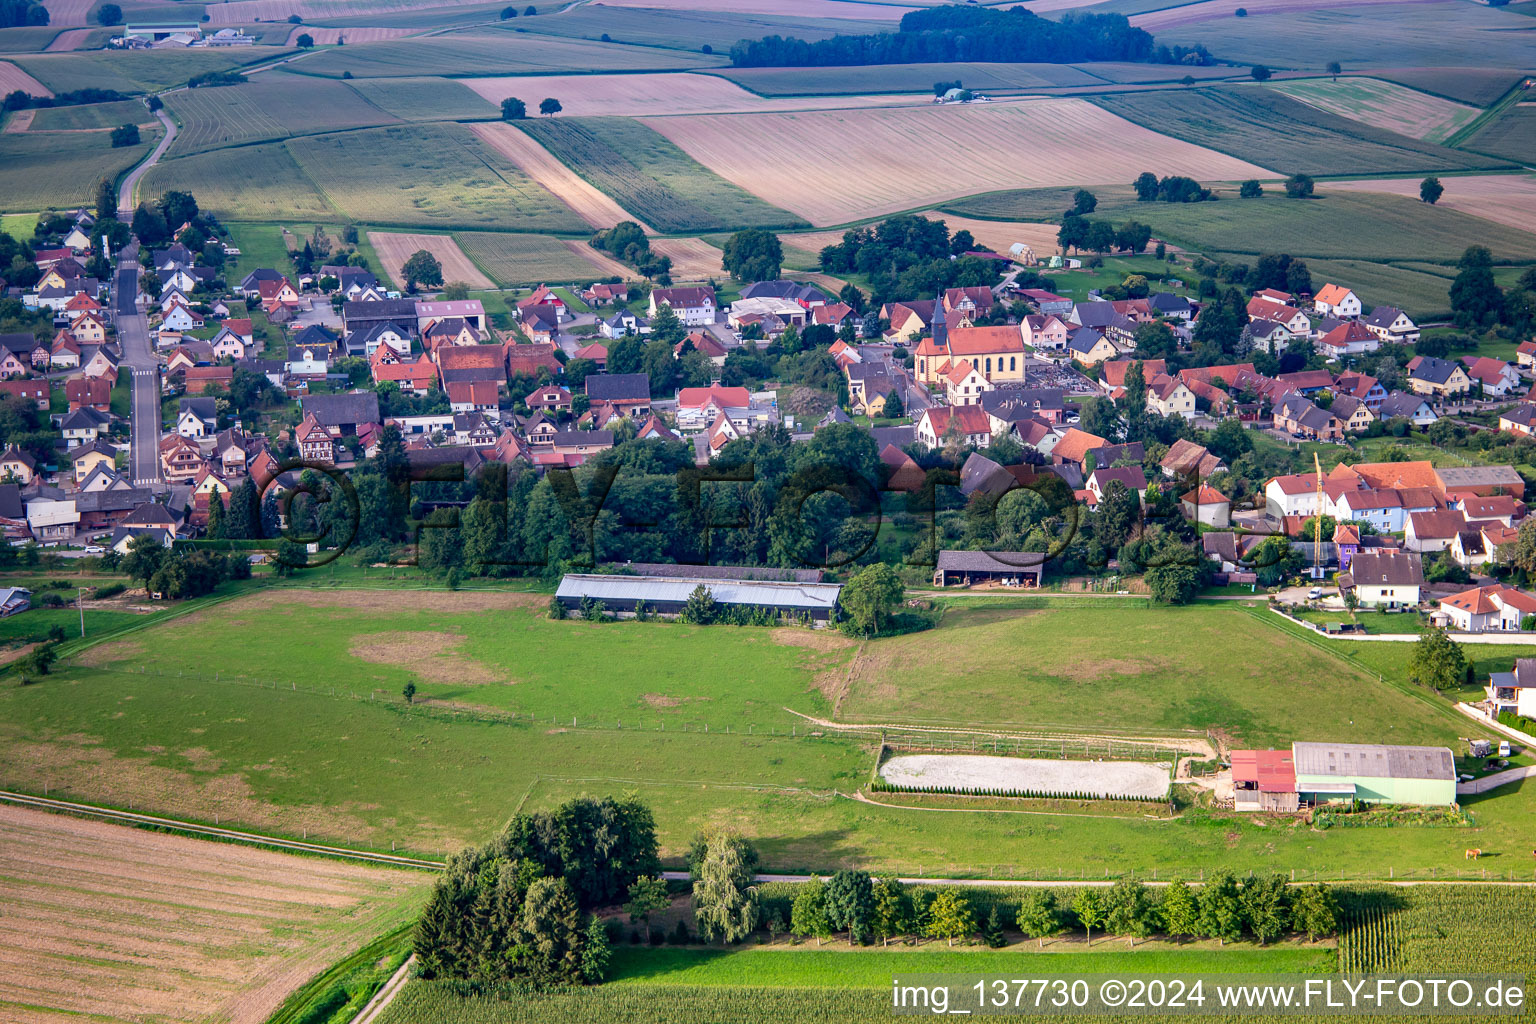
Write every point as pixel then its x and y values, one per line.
pixel 1317 523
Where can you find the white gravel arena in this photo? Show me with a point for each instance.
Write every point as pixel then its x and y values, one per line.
pixel 1036 775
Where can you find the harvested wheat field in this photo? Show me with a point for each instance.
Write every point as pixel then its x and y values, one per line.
pixel 668 92
pixel 69 39
pixel 589 203
pixel 887 160
pixel 693 259
pixel 243 12
pixel 998 235
pixel 13 78
pixel 20 121
pixel 1384 105
pixel 394 248
pixel 1208 10
pixel 605 263
pixel 69 12
pixel 331 36
pixel 115 923
pixel 1503 198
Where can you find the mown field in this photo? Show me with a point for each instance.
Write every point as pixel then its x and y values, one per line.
pixel 650 176
pixel 1277 131
pixel 105 922
pixel 1479 86
pixel 519 259
pixel 90 115
pixel 513 709
pixel 261 182
pixel 1512 134
pixel 680 29
pixel 49 171
pixel 273 106
pixel 438 175
pixel 495 52
pixel 1383 104
pixel 424 99
pixel 1417 930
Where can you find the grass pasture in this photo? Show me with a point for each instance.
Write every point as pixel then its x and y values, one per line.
pixel 53 171
pixel 273 106
pixel 1425 294
pixel 887 160
pixel 1382 104
pixel 13 78
pixel 495 52
pixel 521 259
pixel 441 176
pixel 652 177
pixel 105 922
pixel 1264 126
pixel 516 710
pixel 685 29
pixel 424 99
pixel 87 116
pixel 1029 204
pixel 262 183
pixel 27 38
pixel 918 78
pixel 1512 134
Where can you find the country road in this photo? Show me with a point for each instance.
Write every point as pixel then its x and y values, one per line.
pixel 139 358
pixel 125 191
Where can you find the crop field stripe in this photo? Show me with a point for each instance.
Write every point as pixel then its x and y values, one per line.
pixel 585 199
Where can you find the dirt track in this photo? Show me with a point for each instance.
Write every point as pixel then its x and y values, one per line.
pixel 128 925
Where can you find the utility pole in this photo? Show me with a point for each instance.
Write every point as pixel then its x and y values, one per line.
pixel 79 599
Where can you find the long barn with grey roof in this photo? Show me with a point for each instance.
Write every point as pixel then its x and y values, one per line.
pixel 667 595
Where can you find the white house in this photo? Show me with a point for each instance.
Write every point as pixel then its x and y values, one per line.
pixel 1336 301
pixel 180 318
pixel 693 306
pixel 1291 495
pixel 1391 324
pixel 1386 577
pixel 1514 691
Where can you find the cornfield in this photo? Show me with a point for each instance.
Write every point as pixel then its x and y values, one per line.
pixel 1368 940
pixel 442 1003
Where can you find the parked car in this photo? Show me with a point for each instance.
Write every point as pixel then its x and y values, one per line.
pixel 95 549
pixel 1314 593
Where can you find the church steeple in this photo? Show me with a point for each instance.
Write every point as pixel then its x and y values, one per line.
pixel 940 326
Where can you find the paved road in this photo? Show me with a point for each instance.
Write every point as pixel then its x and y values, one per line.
pixel 1494 781
pixel 125 191
pixel 139 358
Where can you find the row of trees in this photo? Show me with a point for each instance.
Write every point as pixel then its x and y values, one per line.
pixel 178 575
pixel 520 907
pixel 908 256
pixel 947 34
pixel 870 909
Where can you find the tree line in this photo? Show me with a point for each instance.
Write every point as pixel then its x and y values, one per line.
pixel 945 34
pixel 519 908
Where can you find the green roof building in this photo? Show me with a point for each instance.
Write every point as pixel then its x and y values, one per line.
pixel 1374 773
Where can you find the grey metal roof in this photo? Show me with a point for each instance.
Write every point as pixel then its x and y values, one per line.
pixel 1379 566
pixel 675 589
pixel 1478 476
pixel 989 561
pixel 1373 761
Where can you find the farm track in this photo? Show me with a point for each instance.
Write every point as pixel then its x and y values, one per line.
pixel 213 832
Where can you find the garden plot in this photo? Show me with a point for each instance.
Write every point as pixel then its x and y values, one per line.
pixel 948 772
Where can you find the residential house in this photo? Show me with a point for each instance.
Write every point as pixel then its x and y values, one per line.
pixel 1299 417
pixel 1131 476
pixel 1347 339
pixel 1170 306
pixel 620 324
pixel 1438 378
pixel 314 441
pixel 1045 332
pixel 101 362
pixel 1207 506
pixel 1519 419
pixel 595 353
pixel 909 320
pixel 416 376
pixel 1088 347
pixel 1075 446
pixel 1185 458
pixel 967 425
pixel 972 302
pixel 197 417
pixel 1114 370
pixel 1392 325
pixel 458 364
pixel 694 306
pixel 89 329
pixel 1361 386
pixel 82 426
pixel 343 415
pixel 549 398
pixel 701 408
pixel 1496 376
pixel 531 360
pixel 88 393
pixel 180 318
pixel 1168 396
pixel 27 390
pixel 1292 319
pixel 229 345
pixel 1354 414
pixel 17 466
pixel 51 517
pixel 1525 355
pixel 65 354
pixel 366 341
pixel 1385 578
pixel 280 292
pixel 582 443
pixel 363 314
pixel 1495 608
pixel 869 384
pixel 705 344
pixel 628 393
pixel 473 396
pixel 1514 692
pixel 209 378
pixel 1336 301
pixel 601 294
pixel 1269 335
pixel 1412 407
pixel 963 384
pixel 1434 530
pixel 834 315
pixel 543 295
pixel 180 459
